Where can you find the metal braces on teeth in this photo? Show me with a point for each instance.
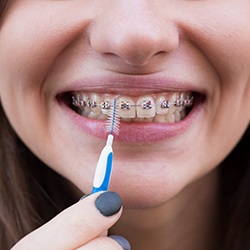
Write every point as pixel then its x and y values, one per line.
pixel 146 105
pixel 105 105
pixel 165 104
pixel 125 105
pixel 91 104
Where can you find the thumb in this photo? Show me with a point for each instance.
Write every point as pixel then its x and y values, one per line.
pixel 77 225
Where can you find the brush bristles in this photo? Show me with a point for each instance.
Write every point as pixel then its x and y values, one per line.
pixel 113 120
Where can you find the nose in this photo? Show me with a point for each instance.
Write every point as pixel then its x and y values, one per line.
pixel 134 31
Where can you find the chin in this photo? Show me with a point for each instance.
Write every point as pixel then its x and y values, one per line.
pixel 138 195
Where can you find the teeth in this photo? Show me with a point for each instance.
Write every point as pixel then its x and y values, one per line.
pixel 170 118
pixel 163 105
pixel 95 110
pixel 179 103
pixel 102 116
pixel 137 119
pixel 145 107
pixel 105 104
pixel 172 107
pixel 177 116
pixel 162 108
pixel 127 107
pixel 160 118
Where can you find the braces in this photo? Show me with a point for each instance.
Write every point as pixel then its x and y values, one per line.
pixel 80 103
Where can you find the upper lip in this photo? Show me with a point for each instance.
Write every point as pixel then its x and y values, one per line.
pixel 132 85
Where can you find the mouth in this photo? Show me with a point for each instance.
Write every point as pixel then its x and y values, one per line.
pixel 147 115
pixel 167 107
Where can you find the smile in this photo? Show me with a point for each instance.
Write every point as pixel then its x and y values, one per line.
pixel 169 107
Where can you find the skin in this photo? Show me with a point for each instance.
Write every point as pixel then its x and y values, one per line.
pixel 46 45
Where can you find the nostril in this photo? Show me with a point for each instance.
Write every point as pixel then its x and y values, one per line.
pixel 160 53
pixel 134 38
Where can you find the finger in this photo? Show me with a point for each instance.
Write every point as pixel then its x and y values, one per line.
pixel 124 243
pixel 76 225
pixel 102 243
pixel 105 233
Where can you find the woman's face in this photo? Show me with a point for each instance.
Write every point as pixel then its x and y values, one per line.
pixel 133 51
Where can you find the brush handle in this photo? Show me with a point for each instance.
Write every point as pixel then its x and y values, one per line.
pixel 104 167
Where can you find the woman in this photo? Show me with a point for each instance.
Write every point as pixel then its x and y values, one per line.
pixel 181 186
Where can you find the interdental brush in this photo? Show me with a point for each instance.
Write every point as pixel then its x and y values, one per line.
pixel 104 165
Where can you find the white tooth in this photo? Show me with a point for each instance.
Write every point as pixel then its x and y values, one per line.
pixel 177 116
pixel 136 119
pixel 127 119
pixel 160 118
pixel 84 113
pixel 108 99
pixel 172 100
pixel 127 113
pixel 102 117
pixel 149 119
pixel 84 110
pixel 170 118
pixel 145 113
pixel 95 110
pixel 93 115
pixel 179 109
pixel 143 119
pixel 180 96
pixel 159 110
pixel 76 101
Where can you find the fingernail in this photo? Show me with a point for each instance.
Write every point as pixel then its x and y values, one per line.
pixel 108 203
pixel 124 243
pixel 84 196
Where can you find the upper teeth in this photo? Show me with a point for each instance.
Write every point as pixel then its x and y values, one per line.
pixel 166 107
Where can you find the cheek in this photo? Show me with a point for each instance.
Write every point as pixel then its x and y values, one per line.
pixel 30 48
pixel 223 36
pixel 28 51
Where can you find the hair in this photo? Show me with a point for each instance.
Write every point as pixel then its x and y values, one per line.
pixel 26 182
pixel 235 193
pixel 3 4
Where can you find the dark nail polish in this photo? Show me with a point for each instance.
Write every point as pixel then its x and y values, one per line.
pixel 108 203
pixel 121 241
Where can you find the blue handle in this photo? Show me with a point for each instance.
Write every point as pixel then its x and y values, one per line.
pixel 106 178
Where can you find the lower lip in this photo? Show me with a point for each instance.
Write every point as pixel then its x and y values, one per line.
pixel 133 132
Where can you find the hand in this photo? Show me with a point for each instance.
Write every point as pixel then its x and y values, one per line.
pixel 82 226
